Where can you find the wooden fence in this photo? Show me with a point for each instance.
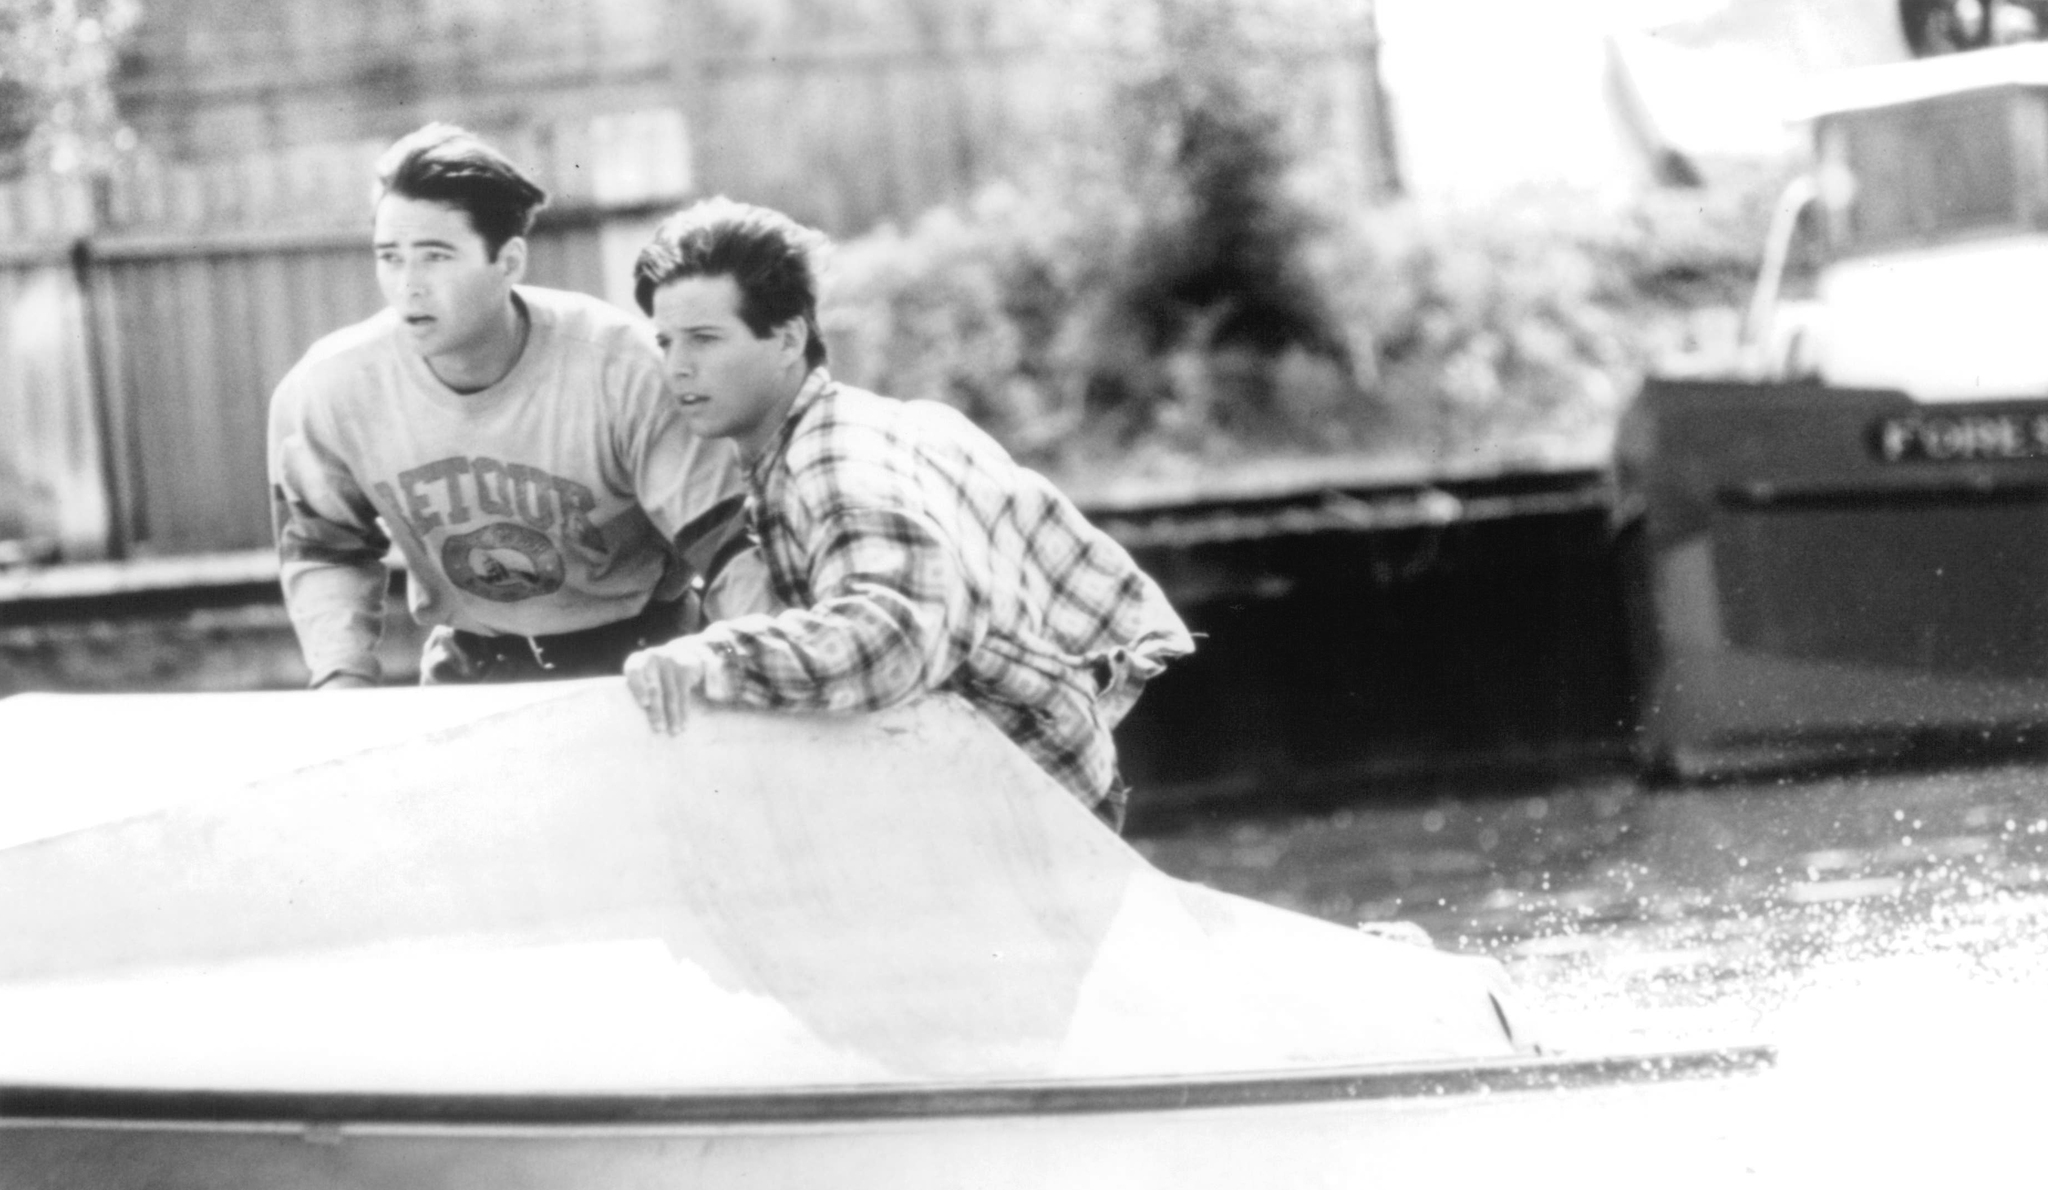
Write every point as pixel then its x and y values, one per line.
pixel 144 319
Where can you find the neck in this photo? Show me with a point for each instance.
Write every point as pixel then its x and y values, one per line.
pixel 476 366
pixel 755 443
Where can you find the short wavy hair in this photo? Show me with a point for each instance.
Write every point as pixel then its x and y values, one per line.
pixel 453 166
pixel 769 256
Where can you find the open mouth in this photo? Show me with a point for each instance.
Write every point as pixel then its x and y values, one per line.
pixel 691 399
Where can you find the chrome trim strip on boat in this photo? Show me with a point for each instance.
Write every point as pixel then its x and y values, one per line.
pixel 18 1103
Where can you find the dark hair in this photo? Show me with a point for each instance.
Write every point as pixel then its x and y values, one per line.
pixel 767 254
pixel 449 165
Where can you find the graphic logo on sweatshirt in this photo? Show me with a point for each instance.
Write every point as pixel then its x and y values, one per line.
pixel 455 491
pixel 518 554
pixel 504 563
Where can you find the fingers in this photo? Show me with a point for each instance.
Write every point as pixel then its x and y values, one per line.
pixel 643 681
pixel 346 681
pixel 661 684
pixel 675 694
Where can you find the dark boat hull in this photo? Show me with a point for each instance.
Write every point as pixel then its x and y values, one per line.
pixel 1818 572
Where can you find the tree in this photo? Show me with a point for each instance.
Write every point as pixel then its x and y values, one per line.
pixel 1216 293
pixel 57 64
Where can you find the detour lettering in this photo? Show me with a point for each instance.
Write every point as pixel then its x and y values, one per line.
pixel 448 493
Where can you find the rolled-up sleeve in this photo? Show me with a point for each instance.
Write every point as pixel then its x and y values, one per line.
pixel 888 619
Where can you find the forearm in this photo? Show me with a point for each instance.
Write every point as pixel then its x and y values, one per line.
pixel 794 661
pixel 887 618
pixel 330 546
pixel 337 611
pixel 868 648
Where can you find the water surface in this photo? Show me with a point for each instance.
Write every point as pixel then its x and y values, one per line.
pixel 1791 911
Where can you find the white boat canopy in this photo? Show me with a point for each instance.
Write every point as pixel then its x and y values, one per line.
pixel 1916 80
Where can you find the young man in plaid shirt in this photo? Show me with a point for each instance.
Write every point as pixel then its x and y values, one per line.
pixel 909 551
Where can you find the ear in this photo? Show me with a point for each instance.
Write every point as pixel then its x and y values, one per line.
pixel 512 259
pixel 790 339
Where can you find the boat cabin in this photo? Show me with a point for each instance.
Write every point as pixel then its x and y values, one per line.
pixel 1912 254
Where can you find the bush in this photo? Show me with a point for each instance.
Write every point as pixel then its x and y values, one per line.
pixel 1513 334
pixel 1467 340
pixel 1193 298
pixel 978 307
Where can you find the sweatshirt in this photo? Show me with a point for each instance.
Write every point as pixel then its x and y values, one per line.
pixel 553 501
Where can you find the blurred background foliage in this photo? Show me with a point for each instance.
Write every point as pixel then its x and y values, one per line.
pixel 57 64
pixel 1204 290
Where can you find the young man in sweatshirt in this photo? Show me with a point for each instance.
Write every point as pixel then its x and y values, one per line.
pixel 517 444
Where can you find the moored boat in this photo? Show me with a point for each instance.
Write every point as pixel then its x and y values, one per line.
pixel 1831 557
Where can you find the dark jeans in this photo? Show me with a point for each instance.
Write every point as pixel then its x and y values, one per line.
pixel 453 656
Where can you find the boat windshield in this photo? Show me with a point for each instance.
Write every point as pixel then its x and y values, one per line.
pixel 1954 167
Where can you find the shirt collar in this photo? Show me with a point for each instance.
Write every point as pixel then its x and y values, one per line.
pixel 815 386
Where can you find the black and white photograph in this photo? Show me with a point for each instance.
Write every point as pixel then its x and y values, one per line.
pixel 1022 594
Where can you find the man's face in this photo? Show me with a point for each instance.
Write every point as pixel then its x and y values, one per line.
pixel 436 273
pixel 730 383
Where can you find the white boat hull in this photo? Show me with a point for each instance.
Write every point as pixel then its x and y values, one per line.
pixel 509 938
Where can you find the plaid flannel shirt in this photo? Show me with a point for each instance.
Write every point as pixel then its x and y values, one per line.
pixel 913 554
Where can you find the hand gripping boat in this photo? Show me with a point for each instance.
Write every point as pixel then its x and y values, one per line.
pixel 507 937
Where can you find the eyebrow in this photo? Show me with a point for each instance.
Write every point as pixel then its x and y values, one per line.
pixel 380 245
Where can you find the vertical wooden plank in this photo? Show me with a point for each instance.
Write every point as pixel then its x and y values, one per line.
pixel 21 506
pixel 84 527
pixel 145 396
pixel 158 398
pixel 277 340
pixel 318 309
pixel 332 287
pixel 209 354
pixel 109 292
pixel 50 458
pixel 354 283
pixel 180 444
pixel 120 195
pixel 236 385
